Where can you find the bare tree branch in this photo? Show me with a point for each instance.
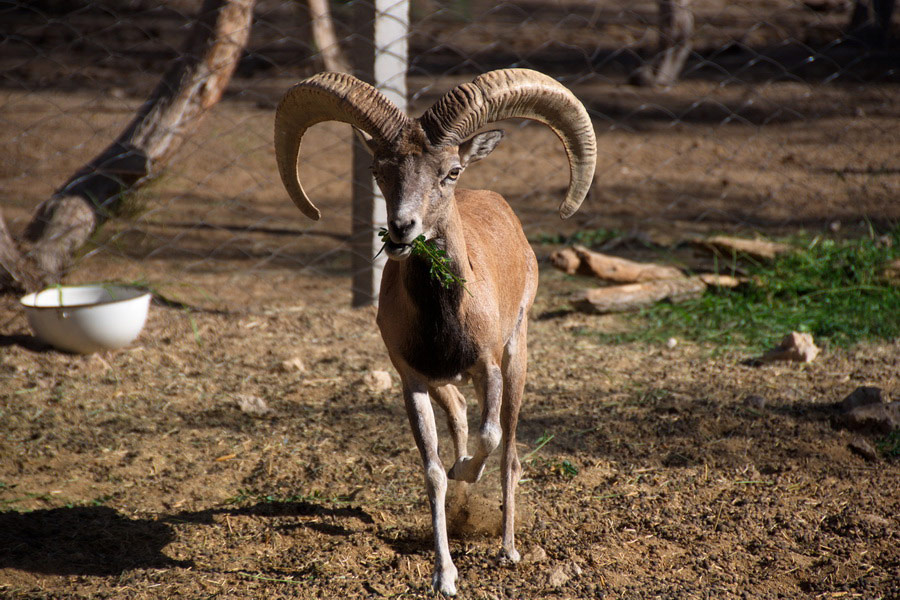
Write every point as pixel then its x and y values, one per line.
pixel 325 38
pixel 676 26
pixel 870 22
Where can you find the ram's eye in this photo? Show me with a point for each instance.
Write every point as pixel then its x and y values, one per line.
pixel 453 174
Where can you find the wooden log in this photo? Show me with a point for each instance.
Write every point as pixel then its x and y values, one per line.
pixel 565 260
pixel 623 298
pixel 583 261
pixel 892 272
pixel 728 246
pixel 721 281
pixel 612 268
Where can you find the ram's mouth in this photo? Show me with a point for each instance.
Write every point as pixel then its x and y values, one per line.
pixel 396 251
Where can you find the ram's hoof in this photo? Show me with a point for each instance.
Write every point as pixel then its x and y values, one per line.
pixel 445 581
pixel 465 469
pixel 510 556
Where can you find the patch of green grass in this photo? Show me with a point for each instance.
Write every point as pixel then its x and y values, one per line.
pixel 98 501
pixel 567 468
pixel 834 290
pixel 563 468
pixel 889 445
pixel 138 199
pixel 541 442
pixel 585 237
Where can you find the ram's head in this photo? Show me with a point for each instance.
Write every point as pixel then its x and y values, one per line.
pixel 417 162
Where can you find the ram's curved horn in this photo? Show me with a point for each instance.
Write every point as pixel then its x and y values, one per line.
pixel 526 94
pixel 328 97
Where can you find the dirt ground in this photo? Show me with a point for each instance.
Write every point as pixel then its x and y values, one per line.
pixel 135 474
pixel 650 472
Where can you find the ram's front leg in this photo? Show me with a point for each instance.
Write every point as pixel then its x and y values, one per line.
pixel 421 419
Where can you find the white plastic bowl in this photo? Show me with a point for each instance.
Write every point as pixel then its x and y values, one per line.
pixel 87 318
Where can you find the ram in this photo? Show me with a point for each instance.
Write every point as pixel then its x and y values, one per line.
pixel 474 327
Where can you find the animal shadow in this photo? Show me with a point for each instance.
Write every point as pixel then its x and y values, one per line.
pixel 100 541
pixel 88 540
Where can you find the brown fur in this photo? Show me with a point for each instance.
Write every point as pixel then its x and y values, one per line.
pixel 497 282
pixel 439 336
pixel 436 336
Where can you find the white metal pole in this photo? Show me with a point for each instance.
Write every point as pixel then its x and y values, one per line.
pixel 380 57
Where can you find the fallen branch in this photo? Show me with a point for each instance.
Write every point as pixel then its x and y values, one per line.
pixel 892 272
pixel 583 261
pixel 729 246
pixel 623 298
pixel 721 281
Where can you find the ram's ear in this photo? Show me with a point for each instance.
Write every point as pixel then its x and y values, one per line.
pixel 478 146
pixel 367 140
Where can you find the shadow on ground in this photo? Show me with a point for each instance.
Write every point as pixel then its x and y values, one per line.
pixel 84 540
pixel 100 541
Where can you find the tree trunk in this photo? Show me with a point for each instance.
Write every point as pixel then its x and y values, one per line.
pixel 15 271
pixel 196 81
pixel 870 22
pixel 325 38
pixel 676 26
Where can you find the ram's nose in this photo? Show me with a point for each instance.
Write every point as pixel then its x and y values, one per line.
pixel 404 230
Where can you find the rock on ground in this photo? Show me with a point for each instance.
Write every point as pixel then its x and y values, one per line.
pixel 864 410
pixel 795 347
pixel 252 405
pixel 377 381
pixel 861 396
pixel 872 418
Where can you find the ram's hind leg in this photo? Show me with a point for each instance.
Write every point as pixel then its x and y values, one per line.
pixel 514 368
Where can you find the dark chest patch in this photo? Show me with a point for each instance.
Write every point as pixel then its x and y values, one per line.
pixel 438 346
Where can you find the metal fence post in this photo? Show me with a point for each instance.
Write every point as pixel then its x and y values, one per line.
pixel 380 57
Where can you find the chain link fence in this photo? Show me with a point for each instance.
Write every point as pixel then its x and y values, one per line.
pixel 785 117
